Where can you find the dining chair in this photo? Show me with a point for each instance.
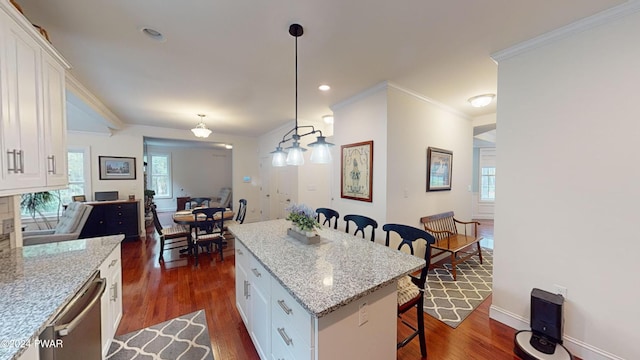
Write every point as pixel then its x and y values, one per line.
pixel 329 214
pixel 361 223
pixel 411 287
pixel 177 236
pixel 242 211
pixel 208 229
pixel 199 201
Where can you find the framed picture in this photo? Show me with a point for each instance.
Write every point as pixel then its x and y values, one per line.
pixel 439 165
pixel 117 168
pixel 356 171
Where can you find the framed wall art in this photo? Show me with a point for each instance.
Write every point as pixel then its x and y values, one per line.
pixel 356 171
pixel 439 165
pixel 117 168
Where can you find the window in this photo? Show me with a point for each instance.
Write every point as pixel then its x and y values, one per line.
pixel 487 174
pixel 160 175
pixel 488 184
pixel 79 175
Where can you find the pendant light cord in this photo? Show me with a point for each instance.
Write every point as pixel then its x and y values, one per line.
pixel 296 85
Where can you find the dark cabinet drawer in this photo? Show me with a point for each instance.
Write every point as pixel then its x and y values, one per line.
pixel 111 218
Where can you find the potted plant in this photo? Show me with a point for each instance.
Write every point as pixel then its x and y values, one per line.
pixel 36 203
pixel 148 199
pixel 303 219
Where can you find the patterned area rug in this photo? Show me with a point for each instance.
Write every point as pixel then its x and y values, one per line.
pixel 452 301
pixel 183 338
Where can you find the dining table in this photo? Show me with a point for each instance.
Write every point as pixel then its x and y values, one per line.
pixel 187 218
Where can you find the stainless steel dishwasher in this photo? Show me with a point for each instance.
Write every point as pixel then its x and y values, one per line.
pixel 75 332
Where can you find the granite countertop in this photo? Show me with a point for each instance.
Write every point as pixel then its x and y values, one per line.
pixel 36 281
pixel 326 276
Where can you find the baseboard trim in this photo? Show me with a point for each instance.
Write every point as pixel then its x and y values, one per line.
pixel 576 347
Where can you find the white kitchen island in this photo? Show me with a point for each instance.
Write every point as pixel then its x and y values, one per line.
pixel 332 300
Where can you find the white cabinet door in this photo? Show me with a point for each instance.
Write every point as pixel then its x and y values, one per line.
pixel 111 302
pixel 242 283
pixel 55 121
pixel 260 300
pixel 22 126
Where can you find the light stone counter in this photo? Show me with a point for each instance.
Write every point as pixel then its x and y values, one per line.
pixel 326 276
pixel 36 281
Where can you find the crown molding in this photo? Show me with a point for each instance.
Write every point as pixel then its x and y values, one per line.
pixel 384 85
pixel 93 102
pixel 429 100
pixel 603 17
pixel 361 95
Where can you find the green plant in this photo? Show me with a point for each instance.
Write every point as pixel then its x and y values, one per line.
pixel 38 203
pixel 302 216
pixel 150 193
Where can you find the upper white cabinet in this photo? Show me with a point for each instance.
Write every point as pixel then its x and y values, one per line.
pixel 33 119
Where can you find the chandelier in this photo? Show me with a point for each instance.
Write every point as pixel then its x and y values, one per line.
pixel 201 130
pixel 293 155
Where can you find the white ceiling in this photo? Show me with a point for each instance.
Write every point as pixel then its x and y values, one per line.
pixel 233 60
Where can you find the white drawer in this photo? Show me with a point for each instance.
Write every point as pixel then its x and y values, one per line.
pixel 242 254
pixel 287 344
pixel 259 276
pixel 286 310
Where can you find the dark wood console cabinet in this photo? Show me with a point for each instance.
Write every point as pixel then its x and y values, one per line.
pixel 111 218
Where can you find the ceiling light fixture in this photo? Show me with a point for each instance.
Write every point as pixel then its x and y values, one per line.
pixel 153 34
pixel 201 130
pixel 328 119
pixel 324 87
pixel 481 100
pixel 294 153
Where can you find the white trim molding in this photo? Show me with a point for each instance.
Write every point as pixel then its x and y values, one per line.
pixel 575 346
pixel 590 22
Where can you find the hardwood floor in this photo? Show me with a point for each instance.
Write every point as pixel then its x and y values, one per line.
pixel 154 292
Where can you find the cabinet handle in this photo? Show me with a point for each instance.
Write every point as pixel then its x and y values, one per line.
pixel 285 337
pixel 284 307
pixel 10 155
pixel 239 252
pixel 21 154
pixel 256 272
pixel 113 262
pixel 246 289
pixel 51 163
pixel 114 292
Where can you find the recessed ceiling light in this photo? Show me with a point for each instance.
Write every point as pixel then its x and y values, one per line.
pixel 324 87
pixel 153 34
pixel 481 100
pixel 328 119
pixel 228 146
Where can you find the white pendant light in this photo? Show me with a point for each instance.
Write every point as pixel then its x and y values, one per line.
pixel 201 130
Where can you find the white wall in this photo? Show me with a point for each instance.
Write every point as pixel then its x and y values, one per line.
pixel 195 172
pixel 568 195
pixel 415 124
pixel 402 125
pixel 362 118
pixel 119 144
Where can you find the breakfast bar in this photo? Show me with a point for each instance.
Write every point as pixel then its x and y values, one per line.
pixel 332 300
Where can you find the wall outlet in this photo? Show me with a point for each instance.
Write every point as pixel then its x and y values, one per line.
pixel 363 315
pixel 7 226
pixel 562 290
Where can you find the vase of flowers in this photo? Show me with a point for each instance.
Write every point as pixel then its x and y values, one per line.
pixel 303 223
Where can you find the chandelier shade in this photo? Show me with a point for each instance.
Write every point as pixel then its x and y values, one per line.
pixel 201 130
